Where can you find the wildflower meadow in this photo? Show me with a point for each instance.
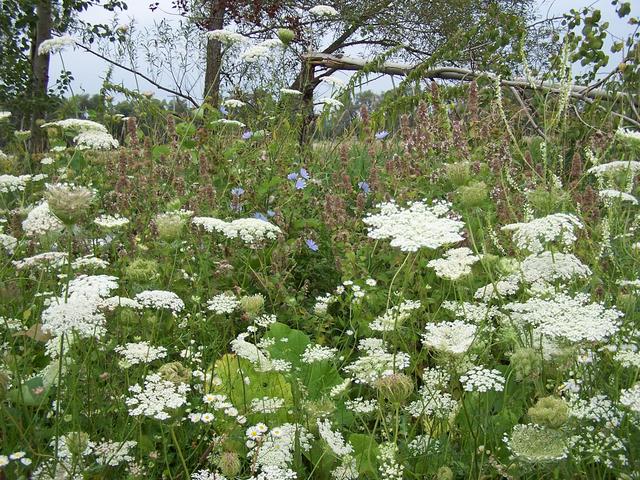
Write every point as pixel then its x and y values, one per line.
pixel 289 279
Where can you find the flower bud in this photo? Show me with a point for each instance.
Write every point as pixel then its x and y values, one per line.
pixel 286 35
pixel 252 304
pixel 230 464
pixel 175 372
pixel 141 270
pixel 77 442
pixel 458 173
pixel 526 362
pixel 170 226
pixel 69 203
pixel 396 388
pixel 473 195
pixel 549 411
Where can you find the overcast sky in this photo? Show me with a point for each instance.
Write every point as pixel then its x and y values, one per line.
pixel 89 71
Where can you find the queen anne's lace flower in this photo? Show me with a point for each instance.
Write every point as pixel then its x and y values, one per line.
pixel 156 398
pixel 536 444
pixel 394 317
pixel 41 221
pixel 552 267
pixel 323 11
pixel 455 263
pixel 630 398
pixel 111 221
pixel 533 235
pixel 417 226
pixel 317 353
pixel 77 125
pixel 480 379
pixel 453 337
pixel 568 318
pixel 376 362
pixel 55 45
pixel 631 166
pixel 12 183
pixel 140 352
pixel 160 299
pixel 251 231
pixel 223 304
pixel 225 36
pixel 334 439
pixel 95 140
pixel 622 196
pixel 46 260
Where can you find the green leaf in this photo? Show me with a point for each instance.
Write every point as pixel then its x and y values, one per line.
pixel 365 451
pixel 32 393
pixel 160 150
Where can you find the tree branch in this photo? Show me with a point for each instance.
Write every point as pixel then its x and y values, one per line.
pixel 131 70
pixel 457 74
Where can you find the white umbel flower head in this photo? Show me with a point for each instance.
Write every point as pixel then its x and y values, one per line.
pixel 453 337
pixel 533 235
pixel 417 226
pixel 323 11
pixel 456 263
pixel 227 37
pixel 55 45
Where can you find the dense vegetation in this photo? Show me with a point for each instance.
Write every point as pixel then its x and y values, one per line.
pixel 443 285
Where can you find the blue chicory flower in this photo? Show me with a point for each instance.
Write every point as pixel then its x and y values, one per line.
pixel 300 183
pixel 260 216
pixel 237 191
pixel 313 246
pixel 247 135
pixel 382 135
pixel 364 186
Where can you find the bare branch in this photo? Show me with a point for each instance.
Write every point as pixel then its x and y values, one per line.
pixel 141 75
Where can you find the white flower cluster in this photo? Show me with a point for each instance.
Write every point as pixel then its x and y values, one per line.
pixel 95 140
pixel 317 353
pixel 8 243
pixel 112 453
pixel 504 288
pixel 629 135
pixel 568 318
pixel 628 357
pixel 231 123
pixel 156 397
pixel 480 379
pixel 361 406
pixel 452 337
pixel 533 235
pixel 224 303
pixel 376 362
pixel 138 353
pixel 46 260
pixel 472 312
pixel 415 227
pixel 455 263
pixel 274 448
pixel 90 262
pixel 77 125
pixel 41 221
pixel 323 11
pixel 630 398
pixel 433 402
pixel 111 221
pixel 233 103
pixel 598 409
pixel 261 51
pixel 13 183
pixel 394 317
pixel 631 166
pixel 251 352
pixel 334 439
pixel 55 45
pixel 551 267
pixel 266 404
pixel 79 313
pixel 251 231
pixel 160 299
pixel 348 288
pixel 622 196
pixel 331 102
pixel 388 466
pixel 225 36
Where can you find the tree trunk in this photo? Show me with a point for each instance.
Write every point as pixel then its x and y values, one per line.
pixel 306 84
pixel 214 54
pixel 40 72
